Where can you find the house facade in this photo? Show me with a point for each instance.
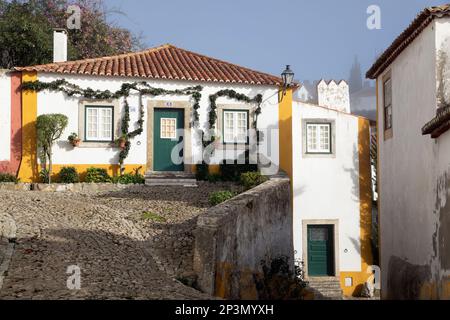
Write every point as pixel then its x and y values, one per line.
pixel 175 115
pixel 332 191
pixel 412 78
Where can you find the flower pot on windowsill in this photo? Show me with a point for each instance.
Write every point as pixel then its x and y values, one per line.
pixel 76 142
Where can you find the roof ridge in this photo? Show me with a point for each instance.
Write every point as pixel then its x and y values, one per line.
pixel 223 61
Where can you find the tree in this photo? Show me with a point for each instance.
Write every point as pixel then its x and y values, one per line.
pixel 49 129
pixel 26 32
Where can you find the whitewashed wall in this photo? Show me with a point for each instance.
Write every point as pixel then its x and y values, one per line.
pixel 334 95
pixel 5 116
pixel 51 102
pixel 408 160
pixel 328 188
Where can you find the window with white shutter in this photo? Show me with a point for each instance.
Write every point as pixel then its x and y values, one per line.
pixel 99 123
pixel 235 126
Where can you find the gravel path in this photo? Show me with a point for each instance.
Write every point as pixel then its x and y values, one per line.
pixel 130 244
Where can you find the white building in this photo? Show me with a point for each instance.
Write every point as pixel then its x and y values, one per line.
pixel 332 191
pixel 413 87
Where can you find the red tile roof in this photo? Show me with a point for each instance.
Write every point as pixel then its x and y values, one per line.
pixel 402 41
pixel 163 62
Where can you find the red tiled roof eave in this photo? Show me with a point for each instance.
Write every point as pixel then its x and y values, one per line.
pixel 163 62
pixel 405 38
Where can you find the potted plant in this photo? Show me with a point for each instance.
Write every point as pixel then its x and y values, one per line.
pixel 74 140
pixel 121 142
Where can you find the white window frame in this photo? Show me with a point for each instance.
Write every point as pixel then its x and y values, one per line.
pixel 161 135
pixel 318 149
pixel 235 132
pixel 98 138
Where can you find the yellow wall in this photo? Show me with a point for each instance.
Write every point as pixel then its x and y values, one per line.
pixel 365 195
pixel 28 171
pixel 285 135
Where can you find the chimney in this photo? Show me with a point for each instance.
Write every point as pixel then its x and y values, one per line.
pixel 59 45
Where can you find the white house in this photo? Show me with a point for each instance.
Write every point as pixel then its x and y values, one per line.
pixel 175 96
pixel 332 193
pixel 413 87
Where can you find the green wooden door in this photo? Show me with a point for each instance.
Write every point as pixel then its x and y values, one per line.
pixel 320 251
pixel 166 136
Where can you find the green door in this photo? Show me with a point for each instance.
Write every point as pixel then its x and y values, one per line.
pixel 320 251
pixel 167 136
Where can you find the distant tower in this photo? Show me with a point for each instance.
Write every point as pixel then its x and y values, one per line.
pixel 355 81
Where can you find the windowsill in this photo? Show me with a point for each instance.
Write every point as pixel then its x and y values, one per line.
pixel 319 155
pixel 98 144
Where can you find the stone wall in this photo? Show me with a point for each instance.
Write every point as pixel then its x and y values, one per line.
pixel 234 238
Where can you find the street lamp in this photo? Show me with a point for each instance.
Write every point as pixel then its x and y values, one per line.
pixel 288 78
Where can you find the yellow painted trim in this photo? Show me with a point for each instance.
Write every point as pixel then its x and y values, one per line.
pixel 285 135
pixel 28 171
pixel 365 197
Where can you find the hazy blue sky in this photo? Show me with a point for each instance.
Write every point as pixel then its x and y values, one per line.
pixel 319 38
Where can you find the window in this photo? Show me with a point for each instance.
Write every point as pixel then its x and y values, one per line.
pixel 99 123
pixel 235 126
pixel 387 100
pixel 168 128
pixel 318 137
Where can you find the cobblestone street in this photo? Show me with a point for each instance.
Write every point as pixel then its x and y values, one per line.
pixel 130 244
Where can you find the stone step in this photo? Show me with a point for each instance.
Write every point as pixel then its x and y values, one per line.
pixel 170 179
pixel 328 287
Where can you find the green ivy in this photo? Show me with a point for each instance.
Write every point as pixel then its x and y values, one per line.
pixel 143 89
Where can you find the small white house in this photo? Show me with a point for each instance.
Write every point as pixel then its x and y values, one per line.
pixel 332 195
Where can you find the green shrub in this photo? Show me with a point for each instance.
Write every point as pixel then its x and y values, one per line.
pixel 218 197
pixel 129 178
pixel 252 179
pixel 201 173
pixel 97 175
pixel 213 178
pixel 233 171
pixel 45 176
pixel 69 175
pixel 6 177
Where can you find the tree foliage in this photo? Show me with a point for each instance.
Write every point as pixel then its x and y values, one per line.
pixel 26 32
pixel 49 129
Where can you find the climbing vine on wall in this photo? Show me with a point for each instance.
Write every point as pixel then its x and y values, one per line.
pixel 212 116
pixel 142 88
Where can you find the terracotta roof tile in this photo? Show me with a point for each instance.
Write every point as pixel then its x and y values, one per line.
pixel 164 62
pixel 406 37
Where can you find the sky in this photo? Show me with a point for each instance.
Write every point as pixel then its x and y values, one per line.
pixel 318 38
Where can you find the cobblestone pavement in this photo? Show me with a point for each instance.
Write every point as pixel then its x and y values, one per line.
pixel 130 244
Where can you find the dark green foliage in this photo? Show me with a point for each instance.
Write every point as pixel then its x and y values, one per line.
pixel 129 178
pixel 44 175
pixel 26 31
pixel 97 175
pixel 232 172
pixel 69 175
pixel 213 178
pixel 252 179
pixel 218 197
pixel 201 172
pixel 6 177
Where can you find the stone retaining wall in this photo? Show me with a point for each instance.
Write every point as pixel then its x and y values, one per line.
pixel 234 238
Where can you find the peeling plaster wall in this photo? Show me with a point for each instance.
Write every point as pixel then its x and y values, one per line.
pixel 414 173
pixel 233 238
pixel 334 95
